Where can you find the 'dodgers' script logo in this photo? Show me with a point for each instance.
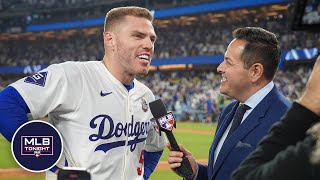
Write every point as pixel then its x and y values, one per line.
pixel 36 145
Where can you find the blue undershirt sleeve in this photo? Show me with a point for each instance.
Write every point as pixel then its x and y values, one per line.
pixel 151 160
pixel 13 112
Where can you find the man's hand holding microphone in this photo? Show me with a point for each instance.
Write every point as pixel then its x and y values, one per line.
pixel 180 160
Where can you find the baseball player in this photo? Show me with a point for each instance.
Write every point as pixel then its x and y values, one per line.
pixel 99 107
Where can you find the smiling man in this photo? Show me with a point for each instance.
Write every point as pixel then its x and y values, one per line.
pixel 248 69
pixel 99 107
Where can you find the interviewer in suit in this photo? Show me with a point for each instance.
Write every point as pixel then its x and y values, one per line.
pixel 248 69
pixel 290 150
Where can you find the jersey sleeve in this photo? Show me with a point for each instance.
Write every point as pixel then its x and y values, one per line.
pixel 13 112
pixel 55 89
pixel 154 141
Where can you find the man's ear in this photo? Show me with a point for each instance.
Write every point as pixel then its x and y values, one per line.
pixel 108 38
pixel 256 71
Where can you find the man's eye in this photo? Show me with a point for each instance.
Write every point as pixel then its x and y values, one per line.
pixel 229 63
pixel 137 36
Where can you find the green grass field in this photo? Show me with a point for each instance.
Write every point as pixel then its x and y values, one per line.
pixel 28 178
pixel 197 144
pixel 6 159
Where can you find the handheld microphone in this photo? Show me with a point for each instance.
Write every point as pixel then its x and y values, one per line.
pixel 166 122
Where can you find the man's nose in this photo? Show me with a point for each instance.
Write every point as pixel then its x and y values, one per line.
pixel 147 43
pixel 220 68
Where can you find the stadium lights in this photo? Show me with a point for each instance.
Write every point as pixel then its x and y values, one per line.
pixel 173 67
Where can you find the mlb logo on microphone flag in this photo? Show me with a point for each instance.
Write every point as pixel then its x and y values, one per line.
pixel 167 121
pixel 37 146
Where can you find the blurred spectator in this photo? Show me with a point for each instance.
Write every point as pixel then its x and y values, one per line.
pixel 200 38
pixel 186 92
pixel 312 17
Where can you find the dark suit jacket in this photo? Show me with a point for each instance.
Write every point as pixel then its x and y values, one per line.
pixel 245 138
pixel 285 152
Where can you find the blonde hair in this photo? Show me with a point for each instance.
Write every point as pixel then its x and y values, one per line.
pixel 117 14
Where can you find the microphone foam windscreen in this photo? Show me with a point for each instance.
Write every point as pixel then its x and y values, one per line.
pixel 157 108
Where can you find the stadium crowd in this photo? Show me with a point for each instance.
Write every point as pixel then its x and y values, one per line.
pixel 55 4
pixel 197 90
pixel 20 13
pixel 189 93
pixel 197 39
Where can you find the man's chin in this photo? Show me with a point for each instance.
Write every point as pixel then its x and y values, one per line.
pixel 142 73
pixel 222 90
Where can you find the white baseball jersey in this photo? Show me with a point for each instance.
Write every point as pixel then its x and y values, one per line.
pixel 104 127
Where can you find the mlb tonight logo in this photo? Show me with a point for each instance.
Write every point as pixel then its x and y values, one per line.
pixel 36 145
pixel 33 139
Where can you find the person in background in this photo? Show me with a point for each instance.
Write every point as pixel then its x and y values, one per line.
pixel 313 17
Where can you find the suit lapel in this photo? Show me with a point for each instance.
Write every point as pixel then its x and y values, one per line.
pixel 246 127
